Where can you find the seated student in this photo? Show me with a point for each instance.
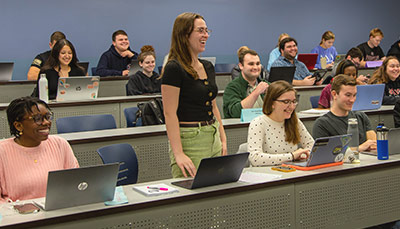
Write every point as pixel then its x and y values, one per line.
pixel 62 62
pixel 236 70
pixel 27 158
pixel 356 56
pixel 345 67
pixel 395 50
pixel 117 59
pixel 146 81
pixel 326 50
pixel 246 91
pixel 371 49
pixel 388 74
pixel 274 137
pixel 396 114
pixel 333 123
pixel 41 58
pixel 288 49
pixel 275 53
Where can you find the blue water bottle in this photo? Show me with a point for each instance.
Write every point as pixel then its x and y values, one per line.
pixel 382 141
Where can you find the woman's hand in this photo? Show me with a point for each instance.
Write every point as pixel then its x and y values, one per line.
pixel 301 154
pixel 184 163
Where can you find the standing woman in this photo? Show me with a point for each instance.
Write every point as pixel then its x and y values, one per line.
pixel 62 62
pixel 326 50
pixel 188 89
pixel 146 81
pixel 388 74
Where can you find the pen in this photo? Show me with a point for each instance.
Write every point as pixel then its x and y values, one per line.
pixel 157 188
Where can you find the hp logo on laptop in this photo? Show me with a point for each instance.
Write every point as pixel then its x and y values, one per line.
pixel 83 186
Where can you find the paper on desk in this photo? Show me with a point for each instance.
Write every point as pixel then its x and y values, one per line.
pixel 151 192
pixel 315 111
pixel 253 177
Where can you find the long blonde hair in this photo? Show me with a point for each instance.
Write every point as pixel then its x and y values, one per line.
pixel 179 51
pixel 275 90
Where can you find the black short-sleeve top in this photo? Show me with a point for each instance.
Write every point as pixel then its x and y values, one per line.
pixel 195 97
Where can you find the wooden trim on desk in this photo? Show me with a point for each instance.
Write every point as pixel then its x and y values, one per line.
pixel 198 196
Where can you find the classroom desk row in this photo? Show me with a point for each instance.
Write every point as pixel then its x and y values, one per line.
pixel 151 142
pixel 345 196
pixel 116 105
pixel 109 86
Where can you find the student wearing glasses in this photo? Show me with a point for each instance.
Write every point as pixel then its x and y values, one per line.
pixel 189 91
pixel 26 158
pixel 275 137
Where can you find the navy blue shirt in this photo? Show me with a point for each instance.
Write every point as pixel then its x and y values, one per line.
pixel 111 63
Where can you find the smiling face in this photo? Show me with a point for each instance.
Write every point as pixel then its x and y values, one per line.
pixel 290 50
pixel 346 97
pixel 328 43
pixel 393 69
pixel 198 37
pixel 350 71
pixel 251 67
pixel 148 64
pixel 32 132
pixel 65 55
pixel 121 43
pixel 284 106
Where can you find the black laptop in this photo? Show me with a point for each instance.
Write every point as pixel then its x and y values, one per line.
pixel 134 67
pixel 216 170
pixel 282 73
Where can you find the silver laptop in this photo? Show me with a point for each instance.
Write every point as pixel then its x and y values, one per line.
pixel 216 170
pixel 77 88
pixel 212 59
pixel 393 141
pixel 6 70
pixel 134 67
pixel 369 97
pixel 325 151
pixel 80 186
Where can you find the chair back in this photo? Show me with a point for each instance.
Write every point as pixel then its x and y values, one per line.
pixel 314 101
pixel 130 116
pixel 126 156
pixel 85 123
pixel 225 68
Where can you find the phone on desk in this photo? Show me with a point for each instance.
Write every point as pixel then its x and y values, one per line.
pixel 283 169
pixel 26 208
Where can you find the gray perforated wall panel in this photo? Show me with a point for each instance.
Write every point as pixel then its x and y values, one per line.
pixel 351 201
pixel 265 208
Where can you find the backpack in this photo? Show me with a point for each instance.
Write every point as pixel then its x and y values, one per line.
pixel 150 113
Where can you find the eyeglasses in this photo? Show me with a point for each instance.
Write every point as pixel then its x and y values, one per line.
pixel 39 119
pixel 288 102
pixel 203 30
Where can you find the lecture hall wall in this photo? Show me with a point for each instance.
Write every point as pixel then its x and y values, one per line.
pixel 26 25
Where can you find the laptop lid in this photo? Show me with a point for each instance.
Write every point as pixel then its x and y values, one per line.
pixel 326 150
pixel 134 67
pixel 212 59
pixel 77 88
pixel 6 70
pixel 84 65
pixel 393 141
pixel 369 97
pixel 80 186
pixel 282 73
pixel 309 59
pixel 216 170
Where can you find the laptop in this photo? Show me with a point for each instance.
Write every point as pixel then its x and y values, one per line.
pixel 216 170
pixel 77 88
pixel 309 59
pixel 369 97
pixel 326 152
pixel 134 67
pixel 282 73
pixel 212 59
pixel 393 142
pixel 80 186
pixel 6 70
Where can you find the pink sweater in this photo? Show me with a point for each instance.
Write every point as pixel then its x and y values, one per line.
pixel 24 170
